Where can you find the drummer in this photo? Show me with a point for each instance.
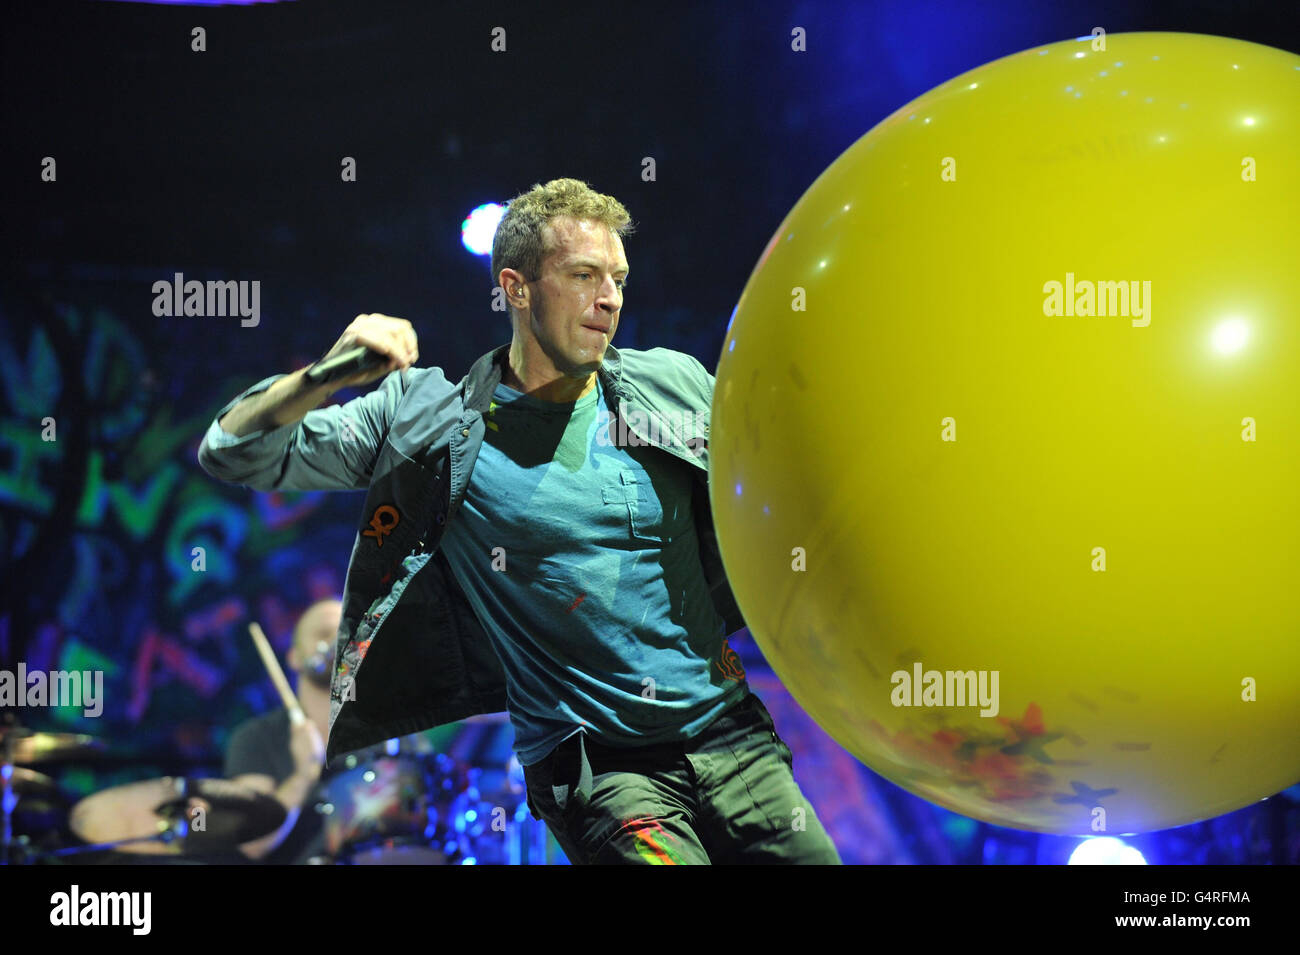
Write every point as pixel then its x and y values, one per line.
pixel 270 754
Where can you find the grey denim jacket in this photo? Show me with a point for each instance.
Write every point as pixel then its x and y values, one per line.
pixel 410 651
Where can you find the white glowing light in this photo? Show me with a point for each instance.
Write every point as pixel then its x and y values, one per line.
pixel 1230 336
pixel 480 226
pixel 1105 850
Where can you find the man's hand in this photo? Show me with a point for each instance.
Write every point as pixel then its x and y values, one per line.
pixel 393 337
pixel 308 749
pixel 289 399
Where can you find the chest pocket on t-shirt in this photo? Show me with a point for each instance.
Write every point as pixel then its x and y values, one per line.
pixel 645 512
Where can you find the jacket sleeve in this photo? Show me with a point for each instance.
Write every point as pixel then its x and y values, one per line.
pixel 330 449
pixel 707 380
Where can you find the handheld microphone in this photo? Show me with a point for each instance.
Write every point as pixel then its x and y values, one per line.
pixel 344 364
pixel 320 664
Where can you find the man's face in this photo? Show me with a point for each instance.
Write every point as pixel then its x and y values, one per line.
pixel 577 299
pixel 315 640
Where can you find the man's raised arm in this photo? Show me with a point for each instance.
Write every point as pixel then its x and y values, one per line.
pixel 273 436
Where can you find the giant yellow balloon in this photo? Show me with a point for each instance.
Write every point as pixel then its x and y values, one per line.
pixel 1006 438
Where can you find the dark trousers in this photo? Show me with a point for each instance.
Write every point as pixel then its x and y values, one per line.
pixel 726 796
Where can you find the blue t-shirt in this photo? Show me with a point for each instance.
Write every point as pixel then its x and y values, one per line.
pixel 581 560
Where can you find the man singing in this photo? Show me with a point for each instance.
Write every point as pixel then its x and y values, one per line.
pixel 537 538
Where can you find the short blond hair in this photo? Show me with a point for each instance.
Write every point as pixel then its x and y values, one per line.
pixel 521 243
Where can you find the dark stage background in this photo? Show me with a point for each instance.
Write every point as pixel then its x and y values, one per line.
pixel 225 165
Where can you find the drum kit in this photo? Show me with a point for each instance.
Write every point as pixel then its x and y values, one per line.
pixel 397 804
pixel 406 805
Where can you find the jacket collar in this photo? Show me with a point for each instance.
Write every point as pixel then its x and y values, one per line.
pixel 486 373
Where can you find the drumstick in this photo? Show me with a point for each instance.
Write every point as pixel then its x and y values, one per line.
pixel 277 675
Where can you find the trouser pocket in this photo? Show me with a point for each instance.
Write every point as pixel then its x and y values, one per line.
pixel 560 784
pixel 776 739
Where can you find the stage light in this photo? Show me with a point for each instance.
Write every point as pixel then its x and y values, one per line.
pixel 1106 850
pixel 480 226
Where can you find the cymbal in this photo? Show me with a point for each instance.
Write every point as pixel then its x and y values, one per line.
pixel 238 814
pixel 28 783
pixel 21 745
pixel 232 814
